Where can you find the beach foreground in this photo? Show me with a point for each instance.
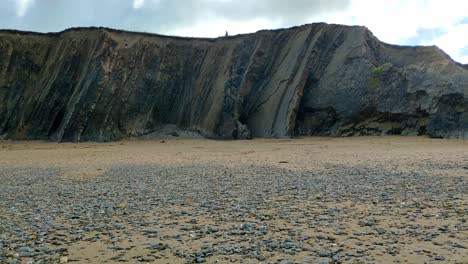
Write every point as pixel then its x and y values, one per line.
pixel 311 200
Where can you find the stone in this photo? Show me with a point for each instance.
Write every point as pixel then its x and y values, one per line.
pixel 119 225
pixel 247 226
pixel 148 258
pixel 200 260
pixel 24 249
pixel 158 246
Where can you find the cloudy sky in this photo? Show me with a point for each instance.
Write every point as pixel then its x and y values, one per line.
pixel 409 22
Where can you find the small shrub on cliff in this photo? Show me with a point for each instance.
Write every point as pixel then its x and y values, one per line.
pixel 377 71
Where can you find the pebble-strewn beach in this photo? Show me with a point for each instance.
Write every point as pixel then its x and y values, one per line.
pixel 311 200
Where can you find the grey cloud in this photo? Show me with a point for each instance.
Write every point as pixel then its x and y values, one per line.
pixel 161 16
pixel 279 9
pixel 55 15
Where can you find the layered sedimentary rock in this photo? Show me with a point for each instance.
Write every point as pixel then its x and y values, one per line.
pixel 103 84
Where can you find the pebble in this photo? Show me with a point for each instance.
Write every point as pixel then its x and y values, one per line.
pixel 24 249
pixel 148 258
pixel 200 260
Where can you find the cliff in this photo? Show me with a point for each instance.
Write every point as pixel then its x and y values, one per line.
pixel 103 84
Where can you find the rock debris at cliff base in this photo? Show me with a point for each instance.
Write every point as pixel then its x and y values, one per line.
pixel 99 84
pixel 198 201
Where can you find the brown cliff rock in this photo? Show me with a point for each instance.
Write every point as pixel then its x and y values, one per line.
pixel 103 84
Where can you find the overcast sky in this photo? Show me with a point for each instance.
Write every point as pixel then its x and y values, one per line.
pixel 410 22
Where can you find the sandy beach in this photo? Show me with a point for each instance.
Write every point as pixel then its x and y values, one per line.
pixel 305 200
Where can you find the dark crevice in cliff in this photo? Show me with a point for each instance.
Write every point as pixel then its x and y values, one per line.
pixel 56 124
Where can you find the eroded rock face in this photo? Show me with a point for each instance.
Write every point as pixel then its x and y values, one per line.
pixel 102 84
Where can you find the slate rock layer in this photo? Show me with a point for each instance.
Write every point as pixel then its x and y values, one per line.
pixel 102 84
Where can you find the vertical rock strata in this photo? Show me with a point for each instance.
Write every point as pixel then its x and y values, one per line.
pixel 102 84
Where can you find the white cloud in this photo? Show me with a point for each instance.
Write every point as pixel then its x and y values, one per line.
pixel 400 20
pixel 395 21
pixel 453 42
pixel 22 7
pixel 218 26
pixel 137 4
pixel 462 59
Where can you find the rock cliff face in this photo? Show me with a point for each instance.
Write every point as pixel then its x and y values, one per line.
pixel 103 84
